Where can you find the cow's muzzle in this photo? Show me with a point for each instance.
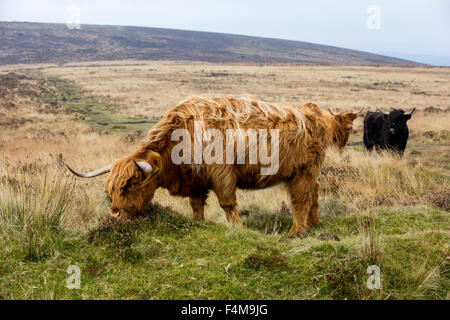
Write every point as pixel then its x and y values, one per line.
pixel 122 214
pixel 115 214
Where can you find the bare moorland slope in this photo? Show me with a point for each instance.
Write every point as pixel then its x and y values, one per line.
pixel 23 42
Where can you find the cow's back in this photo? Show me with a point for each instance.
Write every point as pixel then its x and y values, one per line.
pixel 301 133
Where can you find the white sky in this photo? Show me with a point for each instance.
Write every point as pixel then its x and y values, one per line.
pixel 414 27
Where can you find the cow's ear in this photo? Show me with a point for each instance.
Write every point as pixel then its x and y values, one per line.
pixel 154 159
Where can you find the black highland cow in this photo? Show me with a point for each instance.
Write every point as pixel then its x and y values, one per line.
pixel 386 131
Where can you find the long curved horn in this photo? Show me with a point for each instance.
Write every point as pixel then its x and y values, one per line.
pixel 411 112
pixel 379 110
pixel 144 166
pixel 331 112
pixel 91 174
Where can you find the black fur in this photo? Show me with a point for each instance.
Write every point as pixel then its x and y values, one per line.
pixel 386 132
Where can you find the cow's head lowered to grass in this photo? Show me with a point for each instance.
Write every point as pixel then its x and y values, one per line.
pixel 131 184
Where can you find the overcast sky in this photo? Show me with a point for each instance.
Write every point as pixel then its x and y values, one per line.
pixel 417 29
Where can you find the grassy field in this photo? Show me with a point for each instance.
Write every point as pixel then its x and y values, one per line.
pixel 375 209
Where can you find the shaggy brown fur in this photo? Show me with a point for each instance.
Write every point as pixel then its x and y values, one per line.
pixel 304 134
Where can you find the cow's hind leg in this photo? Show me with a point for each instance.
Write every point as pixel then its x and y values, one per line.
pixel 224 185
pixel 198 207
pixel 232 214
pixel 301 189
pixel 313 218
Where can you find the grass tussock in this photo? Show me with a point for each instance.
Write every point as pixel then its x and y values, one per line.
pixel 32 213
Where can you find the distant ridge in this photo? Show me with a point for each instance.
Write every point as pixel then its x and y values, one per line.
pixel 25 42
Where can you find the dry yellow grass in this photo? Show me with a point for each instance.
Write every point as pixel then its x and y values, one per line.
pixel 149 88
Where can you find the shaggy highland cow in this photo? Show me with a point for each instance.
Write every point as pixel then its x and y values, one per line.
pixel 296 138
pixel 386 131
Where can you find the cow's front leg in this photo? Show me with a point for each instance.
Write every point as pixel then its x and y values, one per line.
pixel 198 207
pixel 301 189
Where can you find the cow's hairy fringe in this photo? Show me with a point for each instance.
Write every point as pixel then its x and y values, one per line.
pixel 127 171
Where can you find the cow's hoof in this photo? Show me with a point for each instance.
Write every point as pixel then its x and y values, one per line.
pixel 235 221
pixel 313 223
pixel 296 234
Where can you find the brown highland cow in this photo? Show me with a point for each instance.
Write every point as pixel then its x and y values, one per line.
pixel 296 138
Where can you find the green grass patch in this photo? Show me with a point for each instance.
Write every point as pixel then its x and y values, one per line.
pixel 163 255
pixel 64 96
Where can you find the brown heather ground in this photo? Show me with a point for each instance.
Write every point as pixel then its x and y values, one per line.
pixel 387 211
